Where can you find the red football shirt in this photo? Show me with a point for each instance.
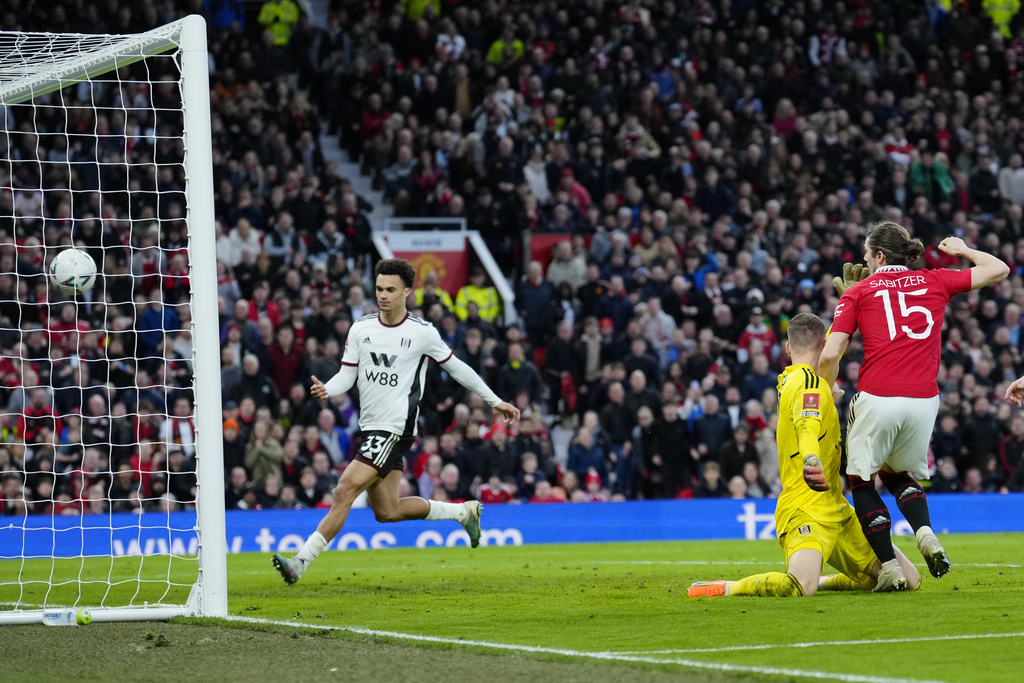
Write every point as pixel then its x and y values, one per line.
pixel 899 314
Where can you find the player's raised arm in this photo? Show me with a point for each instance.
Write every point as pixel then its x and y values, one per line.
pixel 828 364
pixel 987 270
pixel 852 274
pixel 844 324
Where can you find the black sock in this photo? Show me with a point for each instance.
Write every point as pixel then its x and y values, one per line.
pixel 909 497
pixel 874 517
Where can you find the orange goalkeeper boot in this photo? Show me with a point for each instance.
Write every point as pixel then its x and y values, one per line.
pixel 706 589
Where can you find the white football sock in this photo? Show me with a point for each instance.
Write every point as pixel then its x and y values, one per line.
pixel 440 510
pixel 922 531
pixel 310 549
pixel 728 586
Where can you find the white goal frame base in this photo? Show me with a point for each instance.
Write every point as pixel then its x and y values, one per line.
pixel 192 608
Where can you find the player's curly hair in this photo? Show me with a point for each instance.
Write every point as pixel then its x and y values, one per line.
pixel 399 267
pixel 893 240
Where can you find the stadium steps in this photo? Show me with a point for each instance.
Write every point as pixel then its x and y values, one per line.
pixel 361 184
pixel 329 144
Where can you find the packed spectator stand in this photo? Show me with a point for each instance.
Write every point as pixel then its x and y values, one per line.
pixel 711 166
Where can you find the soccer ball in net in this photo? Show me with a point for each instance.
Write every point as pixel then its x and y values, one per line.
pixel 73 271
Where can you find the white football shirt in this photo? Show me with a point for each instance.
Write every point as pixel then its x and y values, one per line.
pixel 391 365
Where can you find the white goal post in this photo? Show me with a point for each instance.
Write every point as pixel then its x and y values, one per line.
pixel 148 563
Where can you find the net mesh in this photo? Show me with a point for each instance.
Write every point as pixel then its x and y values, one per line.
pixel 97 457
pixel 33 64
pixel 28 55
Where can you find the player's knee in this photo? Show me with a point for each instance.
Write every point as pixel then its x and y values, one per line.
pixel 345 493
pixel 797 584
pixel 888 477
pixel 386 516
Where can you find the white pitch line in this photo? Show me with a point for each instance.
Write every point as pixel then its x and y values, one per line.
pixel 752 562
pixel 823 643
pixel 606 656
pixel 694 562
pixel 708 563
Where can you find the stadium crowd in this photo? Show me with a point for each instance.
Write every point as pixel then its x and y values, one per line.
pixel 710 164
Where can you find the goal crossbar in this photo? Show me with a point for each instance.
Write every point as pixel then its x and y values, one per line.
pixel 27 67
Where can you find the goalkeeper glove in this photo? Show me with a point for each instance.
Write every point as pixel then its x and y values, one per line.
pixel 852 274
pixel 813 474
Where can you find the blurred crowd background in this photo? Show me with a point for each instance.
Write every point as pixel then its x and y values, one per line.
pixel 710 164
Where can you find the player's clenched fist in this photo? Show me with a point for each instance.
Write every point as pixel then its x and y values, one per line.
pixel 813 474
pixel 318 390
pixel 954 246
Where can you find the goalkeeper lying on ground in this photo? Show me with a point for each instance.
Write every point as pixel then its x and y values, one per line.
pixel 815 523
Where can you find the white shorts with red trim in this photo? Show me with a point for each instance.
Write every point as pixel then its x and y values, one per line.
pixel 889 430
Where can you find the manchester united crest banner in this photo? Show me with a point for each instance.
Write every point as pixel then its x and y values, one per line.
pixel 441 252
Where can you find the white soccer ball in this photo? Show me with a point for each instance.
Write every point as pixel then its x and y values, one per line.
pixel 73 271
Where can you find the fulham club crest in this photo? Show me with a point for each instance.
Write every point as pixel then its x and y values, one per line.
pixel 406 343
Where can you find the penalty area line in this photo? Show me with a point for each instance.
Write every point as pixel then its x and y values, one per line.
pixel 603 656
pixel 823 643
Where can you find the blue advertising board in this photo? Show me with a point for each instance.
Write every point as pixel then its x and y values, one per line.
pixel 285 530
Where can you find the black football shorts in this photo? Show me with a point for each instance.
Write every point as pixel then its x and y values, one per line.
pixel 384 451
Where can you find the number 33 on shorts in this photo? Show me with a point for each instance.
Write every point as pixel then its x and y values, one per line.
pixel 383 450
pixel 372 445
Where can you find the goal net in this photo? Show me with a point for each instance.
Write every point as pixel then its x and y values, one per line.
pixel 111 467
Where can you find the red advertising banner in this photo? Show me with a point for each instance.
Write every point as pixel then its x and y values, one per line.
pixel 542 245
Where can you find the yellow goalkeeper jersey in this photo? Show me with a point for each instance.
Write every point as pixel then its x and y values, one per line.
pixel 808 425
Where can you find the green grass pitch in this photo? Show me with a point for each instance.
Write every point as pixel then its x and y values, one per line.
pixel 569 612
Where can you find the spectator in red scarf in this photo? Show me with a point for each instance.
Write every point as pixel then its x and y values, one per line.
pixel 180 428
